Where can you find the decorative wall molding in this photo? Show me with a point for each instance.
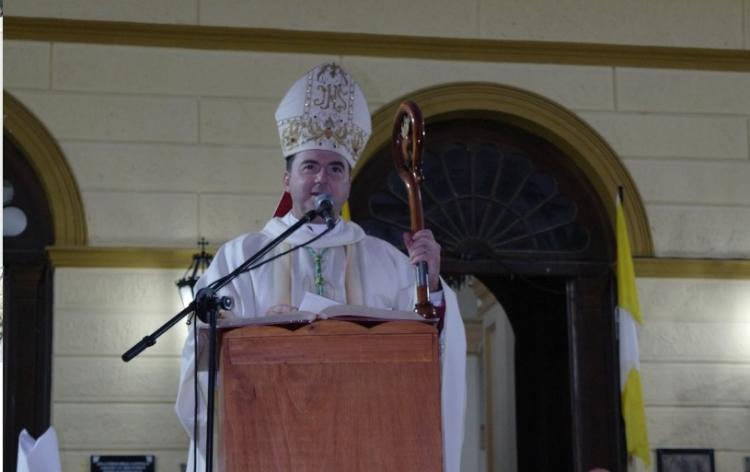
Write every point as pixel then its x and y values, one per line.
pixel 121 257
pixel 179 258
pixel 376 45
pixel 679 268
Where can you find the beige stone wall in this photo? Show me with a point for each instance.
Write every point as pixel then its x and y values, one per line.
pixel 695 352
pixel 102 405
pixel 694 23
pixel 170 144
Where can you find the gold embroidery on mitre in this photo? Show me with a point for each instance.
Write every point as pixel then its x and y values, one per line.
pixel 298 131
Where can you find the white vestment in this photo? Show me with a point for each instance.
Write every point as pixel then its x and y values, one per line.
pixel 358 269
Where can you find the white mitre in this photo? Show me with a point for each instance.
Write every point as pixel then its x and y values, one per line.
pixel 325 109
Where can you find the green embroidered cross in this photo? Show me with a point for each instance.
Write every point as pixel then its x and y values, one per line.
pixel 318 279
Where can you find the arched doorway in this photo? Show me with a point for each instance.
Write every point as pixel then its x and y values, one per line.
pixel 511 205
pixel 47 211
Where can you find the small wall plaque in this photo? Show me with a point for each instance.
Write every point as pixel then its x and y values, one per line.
pixel 123 464
pixel 685 460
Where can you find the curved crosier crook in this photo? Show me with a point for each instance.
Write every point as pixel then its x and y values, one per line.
pixel 406 150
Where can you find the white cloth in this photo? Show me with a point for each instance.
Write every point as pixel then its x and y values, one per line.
pixel 40 455
pixel 387 282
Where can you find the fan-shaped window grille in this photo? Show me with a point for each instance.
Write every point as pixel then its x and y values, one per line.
pixel 492 192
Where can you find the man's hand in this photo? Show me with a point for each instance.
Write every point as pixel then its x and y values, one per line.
pixel 423 247
pixel 280 309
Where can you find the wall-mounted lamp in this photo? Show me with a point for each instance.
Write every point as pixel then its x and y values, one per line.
pixel 199 265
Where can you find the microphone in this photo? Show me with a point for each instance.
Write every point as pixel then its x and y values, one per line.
pixel 324 208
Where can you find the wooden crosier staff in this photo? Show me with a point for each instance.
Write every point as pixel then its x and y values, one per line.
pixel 406 149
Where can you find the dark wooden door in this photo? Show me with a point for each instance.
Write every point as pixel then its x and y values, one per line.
pixel 536 310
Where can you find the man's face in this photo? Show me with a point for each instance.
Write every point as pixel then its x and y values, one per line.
pixel 314 172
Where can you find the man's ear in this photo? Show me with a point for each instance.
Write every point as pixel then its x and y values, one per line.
pixel 286 181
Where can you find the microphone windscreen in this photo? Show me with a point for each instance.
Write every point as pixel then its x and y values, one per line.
pixel 324 207
pixel 323 202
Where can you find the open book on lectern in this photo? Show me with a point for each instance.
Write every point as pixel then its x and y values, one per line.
pixel 315 307
pixel 338 312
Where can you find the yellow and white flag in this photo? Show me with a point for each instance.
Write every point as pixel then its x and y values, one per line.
pixel 629 312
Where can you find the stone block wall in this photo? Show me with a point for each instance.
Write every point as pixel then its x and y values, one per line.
pixel 695 346
pixel 102 405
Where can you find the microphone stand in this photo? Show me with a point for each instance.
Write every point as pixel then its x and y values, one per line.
pixel 206 306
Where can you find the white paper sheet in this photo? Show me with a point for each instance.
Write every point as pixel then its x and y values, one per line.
pixel 315 303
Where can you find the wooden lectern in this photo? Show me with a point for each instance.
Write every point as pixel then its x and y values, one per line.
pixel 331 396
